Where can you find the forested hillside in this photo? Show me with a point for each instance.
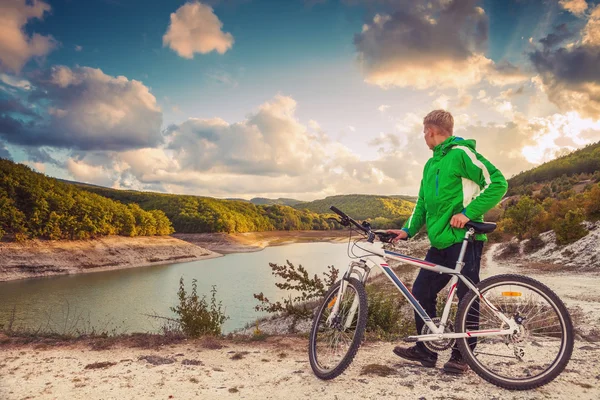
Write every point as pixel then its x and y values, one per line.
pixel 194 214
pixel 558 195
pixel 33 205
pixel 270 202
pixel 383 211
pixel 560 174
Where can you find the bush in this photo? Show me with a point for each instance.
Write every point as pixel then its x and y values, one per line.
pixel 511 249
pixel 385 319
pixel 297 279
pixel 569 228
pixel 523 218
pixel 533 245
pixel 195 316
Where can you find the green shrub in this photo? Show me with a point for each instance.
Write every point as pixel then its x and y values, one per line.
pixel 310 290
pixel 569 228
pixel 386 319
pixel 195 316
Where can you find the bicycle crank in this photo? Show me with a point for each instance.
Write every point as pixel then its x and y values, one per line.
pixel 439 345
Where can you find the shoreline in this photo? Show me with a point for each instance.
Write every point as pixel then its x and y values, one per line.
pixel 43 258
pixel 228 243
pixel 37 258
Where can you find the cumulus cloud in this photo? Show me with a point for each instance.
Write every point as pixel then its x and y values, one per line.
pixel 270 153
pixel 577 7
pixel 270 142
pixel 383 108
pixel 435 44
pixel 83 108
pixel 17 46
pixel 195 28
pixel 570 75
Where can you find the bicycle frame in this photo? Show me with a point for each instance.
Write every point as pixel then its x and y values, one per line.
pixel 378 257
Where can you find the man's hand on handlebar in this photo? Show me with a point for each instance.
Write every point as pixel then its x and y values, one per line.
pixel 400 234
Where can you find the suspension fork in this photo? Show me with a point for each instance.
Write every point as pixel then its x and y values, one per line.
pixel 343 286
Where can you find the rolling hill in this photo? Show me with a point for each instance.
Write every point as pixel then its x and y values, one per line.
pixel 362 206
pixel 561 174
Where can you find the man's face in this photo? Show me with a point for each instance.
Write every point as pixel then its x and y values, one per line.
pixel 428 134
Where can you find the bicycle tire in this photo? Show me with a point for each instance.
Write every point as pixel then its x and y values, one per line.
pixel 567 341
pixel 356 340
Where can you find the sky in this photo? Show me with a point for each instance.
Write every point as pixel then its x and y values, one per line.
pixel 297 98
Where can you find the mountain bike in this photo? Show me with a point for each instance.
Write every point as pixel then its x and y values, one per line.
pixel 512 330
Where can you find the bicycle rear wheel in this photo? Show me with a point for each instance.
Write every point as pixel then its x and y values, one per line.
pixel 332 347
pixel 529 358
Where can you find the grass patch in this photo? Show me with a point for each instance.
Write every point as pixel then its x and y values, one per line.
pixel 98 365
pixel 211 343
pixel 239 355
pixel 583 385
pixel 377 369
pixel 157 360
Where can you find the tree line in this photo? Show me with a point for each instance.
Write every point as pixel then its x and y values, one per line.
pixel 33 205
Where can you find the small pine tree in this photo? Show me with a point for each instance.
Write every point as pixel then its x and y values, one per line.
pixel 569 228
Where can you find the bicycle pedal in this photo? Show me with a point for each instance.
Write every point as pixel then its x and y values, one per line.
pixel 409 340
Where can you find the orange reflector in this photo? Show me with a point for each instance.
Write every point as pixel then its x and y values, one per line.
pixel 511 294
pixel 332 302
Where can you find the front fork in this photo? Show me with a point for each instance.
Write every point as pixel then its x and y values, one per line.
pixel 343 286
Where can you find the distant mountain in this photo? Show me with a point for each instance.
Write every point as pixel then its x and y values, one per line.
pixel 363 206
pixel 281 201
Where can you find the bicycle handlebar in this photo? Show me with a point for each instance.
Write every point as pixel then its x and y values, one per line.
pixel 346 220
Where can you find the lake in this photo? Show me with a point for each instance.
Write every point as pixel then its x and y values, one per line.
pixel 120 299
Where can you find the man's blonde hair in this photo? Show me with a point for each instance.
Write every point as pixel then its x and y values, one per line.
pixel 440 118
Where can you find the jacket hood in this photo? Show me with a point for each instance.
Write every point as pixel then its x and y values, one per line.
pixel 452 141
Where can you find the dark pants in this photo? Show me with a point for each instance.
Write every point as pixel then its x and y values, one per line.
pixel 428 284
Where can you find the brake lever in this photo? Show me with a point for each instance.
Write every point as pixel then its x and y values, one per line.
pixel 340 221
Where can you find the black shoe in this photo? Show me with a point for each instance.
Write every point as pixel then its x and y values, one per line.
pixel 416 354
pixel 456 365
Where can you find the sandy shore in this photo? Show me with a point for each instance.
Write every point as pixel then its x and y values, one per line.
pixel 37 258
pixel 255 241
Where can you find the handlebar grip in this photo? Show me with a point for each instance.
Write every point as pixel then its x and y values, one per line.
pixel 338 212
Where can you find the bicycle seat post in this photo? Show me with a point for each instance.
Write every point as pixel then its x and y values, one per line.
pixel 459 263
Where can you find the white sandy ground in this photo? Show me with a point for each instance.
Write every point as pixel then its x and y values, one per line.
pixel 279 369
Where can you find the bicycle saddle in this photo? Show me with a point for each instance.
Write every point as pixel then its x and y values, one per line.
pixel 481 227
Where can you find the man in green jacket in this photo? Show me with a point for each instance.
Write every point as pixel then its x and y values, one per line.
pixel 458 185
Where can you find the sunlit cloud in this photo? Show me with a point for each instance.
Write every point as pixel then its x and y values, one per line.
pixel 195 28
pixel 17 47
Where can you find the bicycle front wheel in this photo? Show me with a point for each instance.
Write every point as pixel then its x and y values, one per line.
pixel 334 341
pixel 531 357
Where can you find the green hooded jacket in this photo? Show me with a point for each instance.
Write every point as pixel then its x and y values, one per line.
pixel 456 179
